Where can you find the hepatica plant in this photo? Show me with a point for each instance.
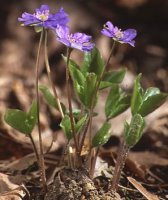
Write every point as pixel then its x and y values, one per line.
pixel 89 79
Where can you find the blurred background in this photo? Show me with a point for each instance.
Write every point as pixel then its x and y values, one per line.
pixel 18 48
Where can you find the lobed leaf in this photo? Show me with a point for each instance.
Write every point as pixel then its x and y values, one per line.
pixel 116 103
pixel 102 136
pixel 66 126
pixel 78 79
pixel 133 132
pixel 50 99
pixel 93 63
pixel 152 99
pixel 112 77
pixel 81 123
pixel 88 96
pixel 22 121
pixel 137 96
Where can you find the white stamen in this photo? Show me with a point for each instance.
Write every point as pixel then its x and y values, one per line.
pixel 119 34
pixel 43 16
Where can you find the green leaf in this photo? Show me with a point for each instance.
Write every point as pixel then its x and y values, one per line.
pixel 89 91
pixel 66 126
pixel 84 84
pixel 22 121
pixel 137 96
pixel 112 77
pixel 93 62
pixel 78 79
pixel 49 97
pixel 152 99
pixel 32 115
pixel 80 123
pixel 133 132
pixel 76 74
pixel 116 103
pixel 76 113
pixel 102 136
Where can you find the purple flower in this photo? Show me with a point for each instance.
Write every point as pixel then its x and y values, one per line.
pixel 43 18
pixel 117 34
pixel 79 41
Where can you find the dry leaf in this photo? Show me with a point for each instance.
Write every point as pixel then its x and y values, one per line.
pixel 10 189
pixel 22 163
pixel 147 159
pixel 135 167
pixel 142 190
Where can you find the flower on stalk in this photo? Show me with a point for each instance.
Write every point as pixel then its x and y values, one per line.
pixel 118 35
pixel 77 40
pixel 43 18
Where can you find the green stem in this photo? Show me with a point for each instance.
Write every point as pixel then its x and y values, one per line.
pixel 70 103
pixel 122 155
pixel 41 156
pixel 49 76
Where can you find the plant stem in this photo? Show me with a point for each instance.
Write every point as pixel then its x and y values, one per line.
pixel 34 147
pixel 94 96
pixel 93 162
pixel 107 62
pixel 122 155
pixel 41 156
pixel 70 103
pixel 83 136
pixel 90 139
pixel 64 152
pixel 49 76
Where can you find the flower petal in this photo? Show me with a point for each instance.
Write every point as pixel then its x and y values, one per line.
pixel 77 40
pixel 42 8
pixel 129 34
pixel 43 18
pixel 114 32
pixel 108 29
pixel 28 19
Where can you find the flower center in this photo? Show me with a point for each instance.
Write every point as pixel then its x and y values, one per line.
pixel 71 38
pixel 42 15
pixel 119 34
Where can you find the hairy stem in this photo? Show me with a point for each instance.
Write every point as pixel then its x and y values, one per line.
pixel 122 155
pixel 49 76
pixel 41 156
pixel 90 139
pixel 70 103
pixel 34 147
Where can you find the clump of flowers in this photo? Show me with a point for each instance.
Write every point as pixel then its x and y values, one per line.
pixel 89 80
